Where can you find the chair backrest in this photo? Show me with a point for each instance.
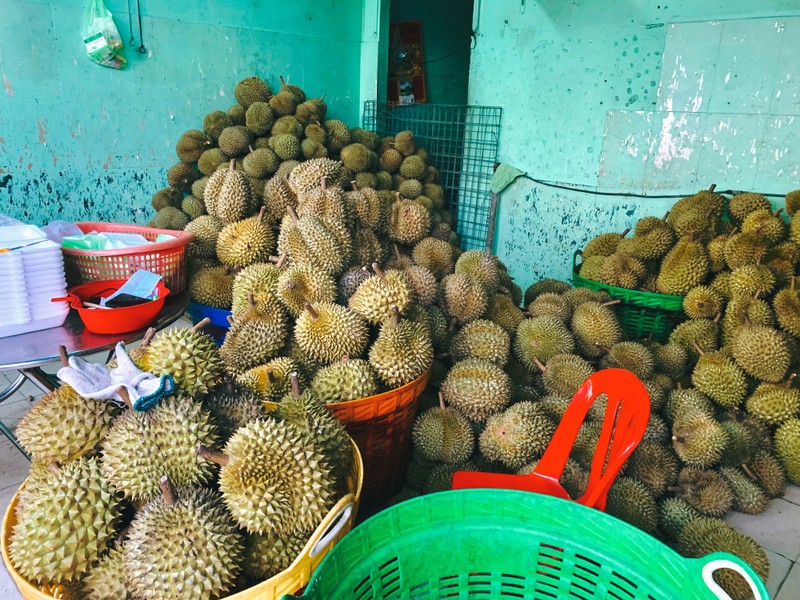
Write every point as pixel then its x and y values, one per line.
pixel 627 413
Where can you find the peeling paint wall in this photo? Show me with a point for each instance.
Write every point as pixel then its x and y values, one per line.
pixel 83 142
pixel 587 92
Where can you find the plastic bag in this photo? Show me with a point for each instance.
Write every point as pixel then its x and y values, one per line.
pixel 101 38
pixel 57 230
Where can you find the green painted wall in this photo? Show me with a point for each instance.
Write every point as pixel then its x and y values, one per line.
pixel 446 36
pixel 80 141
pixel 635 96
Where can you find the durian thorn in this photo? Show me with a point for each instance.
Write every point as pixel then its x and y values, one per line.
pixel 310 309
pixel 323 182
pixel 666 215
pixel 354 185
pixel 789 381
pixel 292 214
pixel 718 317
pixel 777 212
pixel 232 165
pixel 441 401
pixel 215 457
pixel 261 214
pixel 696 347
pixel 295 384
pixel 626 232
pixel 378 271
pixel 148 337
pixel 167 491
pixel 63 355
pixel 231 322
pixel 122 392
pixel 749 473
pixel 542 368
pixel 612 303
pixel 54 467
pixel 602 347
pixel 712 187
pixel 199 327
pixel 395 315
pixel 397 252
pixel 681 439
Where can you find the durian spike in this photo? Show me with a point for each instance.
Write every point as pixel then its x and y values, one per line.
pixel 626 232
pixel 666 215
pixel 378 271
pixel 323 182
pixel 712 187
pixel 216 457
pixel 789 381
pixel 292 214
pixel 232 165
pixel 295 384
pixel 603 347
pixel 542 367
pixel 261 213
pixel 611 303
pixel 122 392
pixel 310 309
pixel 199 327
pixel 167 491
pixel 63 355
pixel 354 185
pixel 148 337
pixel 395 315
pixel 696 347
pixel 441 401
pixel 54 467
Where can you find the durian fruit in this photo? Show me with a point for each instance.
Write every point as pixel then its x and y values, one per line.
pixel 237 114
pixel 761 352
pixel 376 296
pixel 390 161
pixel 632 356
pixel 252 340
pixel 442 434
pixel 287 124
pixel 106 580
pixel 274 477
pixel 193 207
pixel 181 176
pixel 325 201
pixel 257 280
pixel 235 141
pixel 191 145
pixel 741 309
pixel 702 302
pixel 307 175
pixel 630 500
pixel 246 242
pixel 482 339
pixel 408 222
pixel 657 430
pixel 564 374
pixel 278 196
pixel 595 325
pixel 574 479
pixel 673 514
pixel 229 196
pixel 592 267
pixel 622 270
pixel 268 554
pixel 551 304
pixel 705 535
pixel 259 118
pixel 766 470
pixel 209 163
pixel 766 224
pixel 699 440
pixel 231 407
pixel 748 497
pixel 402 352
pixel 344 380
pixel 190 356
pixel 410 189
pixel 670 358
pixel 477 388
pixel 166 197
pixel 250 90
pixel 315 241
pixel 462 298
pixel 787 447
pixel 504 313
pixel 744 249
pixel 311 111
pixel 214 122
pixel 699 214
pixel 440 477
pixel 653 238
pixel 285 146
pixel 516 436
pixel 405 143
pixel 787 309
pixel 604 244
pixel 142 446
pixel 792 201
pixel 720 378
pixel 326 332
pixel 705 491
pixel 338 135
pixel 300 284
pixel 749 280
pixel 369 208
pixel 435 255
pixel 260 163
pixel 774 403
pixel 81 423
pixel 540 339
pixel 283 104
pixel 423 285
pixel 481 267
pixel 654 465
pixel 696 333
pixel 271 381
pixel 349 281
pixel 685 402
pixel 741 444
pixel 684 267
pixel 65 527
pixel 577 296
pixel 170 217
pixel 743 204
pixel 716 253
pixel 183 545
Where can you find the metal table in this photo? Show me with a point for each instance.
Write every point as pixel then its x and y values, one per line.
pixel 28 352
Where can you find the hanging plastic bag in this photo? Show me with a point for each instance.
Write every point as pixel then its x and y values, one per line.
pixel 101 38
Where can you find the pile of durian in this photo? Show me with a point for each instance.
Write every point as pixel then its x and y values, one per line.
pixel 203 495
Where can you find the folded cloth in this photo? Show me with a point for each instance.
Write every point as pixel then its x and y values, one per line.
pixel 91 380
pixel 504 175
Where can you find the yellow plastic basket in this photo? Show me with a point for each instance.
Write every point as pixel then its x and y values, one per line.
pixel 334 526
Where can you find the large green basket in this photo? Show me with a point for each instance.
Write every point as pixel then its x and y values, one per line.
pixel 480 543
pixel 640 313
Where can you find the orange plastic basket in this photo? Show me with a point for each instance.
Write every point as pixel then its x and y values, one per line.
pixel 333 527
pixel 167 259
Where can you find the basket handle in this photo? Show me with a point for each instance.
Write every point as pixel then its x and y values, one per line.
pixel 340 521
pixel 723 560
pixel 575 256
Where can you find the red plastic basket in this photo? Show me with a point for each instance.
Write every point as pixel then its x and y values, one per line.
pixel 167 259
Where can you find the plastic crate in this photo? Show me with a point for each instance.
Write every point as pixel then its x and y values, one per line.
pixel 167 259
pixel 640 313
pixel 511 544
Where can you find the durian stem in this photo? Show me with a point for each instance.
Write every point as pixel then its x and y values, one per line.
pixel 122 392
pixel 603 347
pixel 323 182
pixel 230 320
pixel 395 315
pixel 54 467
pixel 397 252
pixel 295 384
pixel 148 337
pixel 712 187
pixel 612 303
pixel 749 473
pixel 310 309
pixel 441 401
pixel 746 320
pixel 453 324
pixel 398 197
pixel 626 232
pixel 691 233
pixel 790 380
pixel 282 260
pixel 232 165
pixel 678 386
pixel 216 457
pixel 261 214
pixel 282 80
pixel 354 185
pixel 718 317
pixel 378 271
pixel 666 215
pixel 63 355
pixel 503 290
pixel 696 347
pixel 791 287
pixel 777 212
pixel 676 489
pixel 539 364
pixel 167 491
pixel 199 327
pixel 681 439
pixel 251 148
pixel 292 214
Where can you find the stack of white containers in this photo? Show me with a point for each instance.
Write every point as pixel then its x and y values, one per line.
pixel 30 277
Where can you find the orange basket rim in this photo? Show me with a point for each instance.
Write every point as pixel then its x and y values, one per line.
pixel 182 238
pixel 384 395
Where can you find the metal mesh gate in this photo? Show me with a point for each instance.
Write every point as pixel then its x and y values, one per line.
pixel 462 142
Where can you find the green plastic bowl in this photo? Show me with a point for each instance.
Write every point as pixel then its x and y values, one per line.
pixel 509 544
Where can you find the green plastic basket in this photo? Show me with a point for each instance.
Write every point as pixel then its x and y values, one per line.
pixel 481 543
pixel 640 313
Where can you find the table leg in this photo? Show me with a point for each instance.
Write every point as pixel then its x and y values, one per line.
pixel 9 391
pixel 44 381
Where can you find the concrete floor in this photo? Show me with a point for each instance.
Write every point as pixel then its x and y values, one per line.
pixel 777 529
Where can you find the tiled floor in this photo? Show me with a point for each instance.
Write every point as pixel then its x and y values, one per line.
pixel 777 529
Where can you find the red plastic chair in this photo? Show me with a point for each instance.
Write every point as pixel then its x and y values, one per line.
pixel 627 413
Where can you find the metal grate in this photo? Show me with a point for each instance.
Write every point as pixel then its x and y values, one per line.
pixel 462 142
